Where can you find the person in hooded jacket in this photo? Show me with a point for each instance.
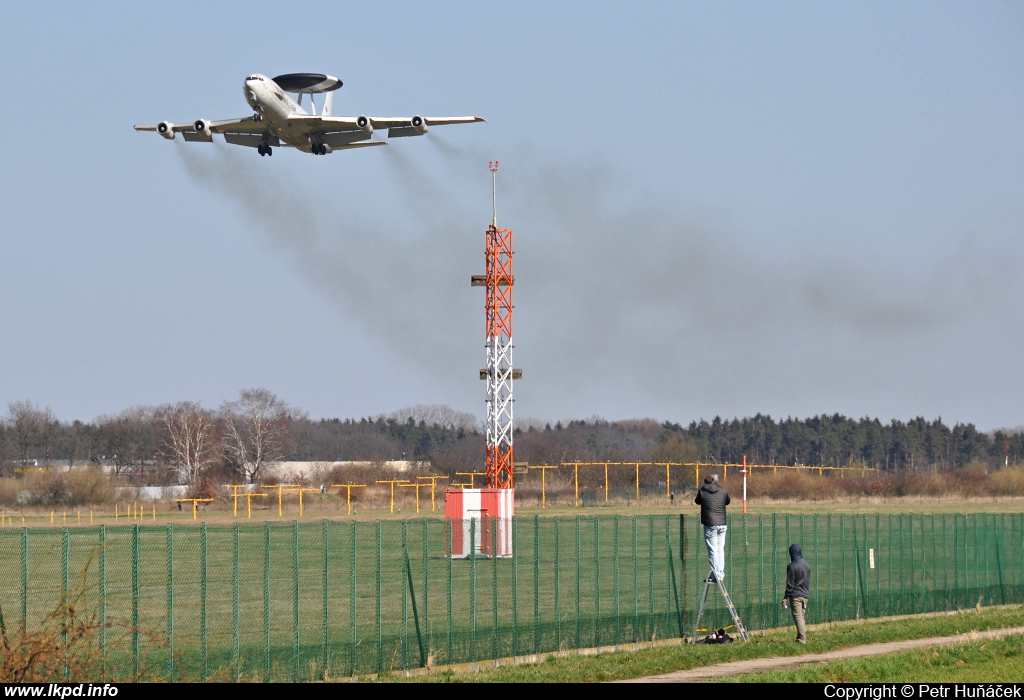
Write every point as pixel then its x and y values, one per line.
pixel 712 500
pixel 798 590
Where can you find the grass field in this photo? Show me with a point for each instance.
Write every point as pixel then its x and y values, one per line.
pixel 990 661
pixel 1000 659
pixel 318 598
pixel 330 506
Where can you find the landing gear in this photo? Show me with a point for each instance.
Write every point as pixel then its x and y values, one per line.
pixel 265 150
pixel 319 149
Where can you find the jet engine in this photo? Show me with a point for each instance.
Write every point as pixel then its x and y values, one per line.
pixel 202 128
pixel 363 122
pixel 165 129
pixel 418 124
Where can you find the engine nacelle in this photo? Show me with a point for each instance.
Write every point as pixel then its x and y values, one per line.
pixel 202 128
pixel 165 129
pixel 363 122
pixel 419 124
pixel 325 149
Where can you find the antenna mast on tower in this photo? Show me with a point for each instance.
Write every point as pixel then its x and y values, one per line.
pixel 499 372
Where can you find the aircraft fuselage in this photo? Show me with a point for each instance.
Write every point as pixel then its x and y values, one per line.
pixel 275 105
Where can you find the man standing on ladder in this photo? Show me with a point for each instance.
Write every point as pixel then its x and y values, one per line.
pixel 712 500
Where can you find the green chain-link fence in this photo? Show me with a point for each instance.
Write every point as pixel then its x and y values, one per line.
pixel 300 601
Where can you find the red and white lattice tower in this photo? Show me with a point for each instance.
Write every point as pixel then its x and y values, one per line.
pixel 498 283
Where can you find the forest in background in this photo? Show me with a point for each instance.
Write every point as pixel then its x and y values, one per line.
pixel 180 442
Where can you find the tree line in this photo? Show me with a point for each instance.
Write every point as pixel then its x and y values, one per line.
pixel 183 442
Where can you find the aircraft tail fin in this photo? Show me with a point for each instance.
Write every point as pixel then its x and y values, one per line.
pixel 328 103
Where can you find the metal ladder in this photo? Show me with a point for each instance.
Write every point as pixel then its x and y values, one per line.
pixel 728 601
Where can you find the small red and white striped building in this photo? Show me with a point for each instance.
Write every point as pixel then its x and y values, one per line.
pixel 481 519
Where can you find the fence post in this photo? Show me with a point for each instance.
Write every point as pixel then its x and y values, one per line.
pixel 135 602
pixel 878 563
pixel 377 588
pixel 935 565
pixel 842 564
pixel 295 600
pixel 24 577
pixel 494 589
pixel 472 590
pixel 760 553
pixel 324 627
pixel 536 584
pixel 266 601
pixel 597 578
pixel 236 584
pixel 203 591
pixel 102 591
pixel 450 641
pixel 635 593
pixel 913 565
pixel 650 577
pixel 858 592
pixel 65 550
pixel 977 558
pixel 579 608
pixel 515 584
pixel 617 586
pixel 170 602
pixel 558 583
pixel 775 566
pixel 353 619
pixel 673 589
pixel 747 607
pixel 828 564
pixel 406 590
pixel 425 596
pixel 891 547
pixel 945 565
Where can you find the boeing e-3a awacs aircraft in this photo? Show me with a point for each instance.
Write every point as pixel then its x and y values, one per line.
pixel 279 120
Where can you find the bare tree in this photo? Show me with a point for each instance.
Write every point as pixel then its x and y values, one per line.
pixel 255 430
pixel 33 427
pixel 129 440
pixel 188 438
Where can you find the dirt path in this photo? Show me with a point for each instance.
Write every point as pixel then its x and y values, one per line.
pixel 733 668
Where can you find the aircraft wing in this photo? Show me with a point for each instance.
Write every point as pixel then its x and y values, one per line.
pixel 245 125
pixel 396 126
pixel 389 122
pixel 192 132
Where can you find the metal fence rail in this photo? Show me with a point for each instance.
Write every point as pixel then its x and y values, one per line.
pixel 308 600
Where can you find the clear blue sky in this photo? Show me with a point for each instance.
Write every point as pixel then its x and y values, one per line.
pixel 719 209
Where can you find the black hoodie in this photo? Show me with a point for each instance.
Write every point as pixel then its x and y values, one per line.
pixel 712 500
pixel 798 574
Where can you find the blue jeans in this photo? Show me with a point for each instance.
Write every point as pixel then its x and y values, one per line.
pixel 714 536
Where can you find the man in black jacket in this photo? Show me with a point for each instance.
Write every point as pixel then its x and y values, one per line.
pixel 798 590
pixel 712 500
